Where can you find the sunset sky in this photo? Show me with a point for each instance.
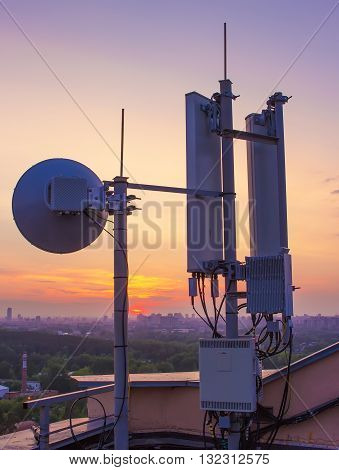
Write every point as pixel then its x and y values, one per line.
pixel 97 57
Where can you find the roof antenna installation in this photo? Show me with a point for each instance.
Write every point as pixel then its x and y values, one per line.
pixel 61 206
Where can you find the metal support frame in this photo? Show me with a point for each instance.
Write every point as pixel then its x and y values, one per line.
pixel 120 185
pixel 170 189
pixel 49 401
pixel 45 403
pixel 120 211
pixel 44 428
pixel 249 136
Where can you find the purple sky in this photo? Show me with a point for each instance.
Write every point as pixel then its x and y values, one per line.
pixel 145 56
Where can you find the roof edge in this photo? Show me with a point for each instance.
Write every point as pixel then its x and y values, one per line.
pixel 305 361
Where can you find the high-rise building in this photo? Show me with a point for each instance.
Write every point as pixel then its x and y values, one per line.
pixel 9 314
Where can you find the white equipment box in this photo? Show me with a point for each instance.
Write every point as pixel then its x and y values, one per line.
pixel 269 284
pixel 67 194
pixel 228 369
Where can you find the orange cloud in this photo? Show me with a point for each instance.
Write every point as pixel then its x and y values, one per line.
pixel 146 292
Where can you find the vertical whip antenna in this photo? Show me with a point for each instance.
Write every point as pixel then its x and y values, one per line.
pixel 122 142
pixel 225 52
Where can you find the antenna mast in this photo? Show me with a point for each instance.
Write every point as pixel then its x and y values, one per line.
pixel 122 142
pixel 225 52
pixel 230 254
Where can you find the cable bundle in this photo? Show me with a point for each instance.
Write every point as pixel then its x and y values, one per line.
pixel 268 344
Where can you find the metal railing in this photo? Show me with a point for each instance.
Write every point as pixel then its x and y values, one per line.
pixel 46 402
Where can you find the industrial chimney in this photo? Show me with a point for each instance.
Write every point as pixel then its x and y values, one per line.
pixel 24 373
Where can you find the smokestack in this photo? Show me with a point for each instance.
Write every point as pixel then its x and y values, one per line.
pixel 24 373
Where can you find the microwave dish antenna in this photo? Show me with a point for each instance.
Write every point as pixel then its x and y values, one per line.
pixel 51 202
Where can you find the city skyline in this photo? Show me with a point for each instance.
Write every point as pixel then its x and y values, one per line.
pixel 96 51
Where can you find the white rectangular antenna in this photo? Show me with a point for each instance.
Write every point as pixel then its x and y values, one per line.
pixel 263 193
pixel 203 164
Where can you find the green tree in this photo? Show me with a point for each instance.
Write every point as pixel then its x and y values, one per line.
pixel 6 370
pixel 83 371
pixel 165 366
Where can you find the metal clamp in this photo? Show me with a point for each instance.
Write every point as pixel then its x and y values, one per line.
pixel 232 270
pixel 116 203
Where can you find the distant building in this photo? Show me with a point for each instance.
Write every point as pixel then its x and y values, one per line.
pixel 3 391
pixel 9 314
pixel 33 386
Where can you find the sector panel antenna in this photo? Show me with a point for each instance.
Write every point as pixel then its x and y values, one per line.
pixel 53 207
pixel 203 165
pixel 263 193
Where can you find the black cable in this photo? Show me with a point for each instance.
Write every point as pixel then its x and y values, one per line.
pixel 219 309
pixel 270 335
pixel 282 408
pixel 299 418
pixel 242 306
pixel 255 321
pixel 204 430
pixel 215 333
pixel 214 304
pixel 218 315
pixel 214 431
pixel 264 354
pixel 203 304
pixel 257 431
pixel 99 216
pixel 196 311
pixel 203 297
pixel 109 233
pixel 258 384
pixel 101 440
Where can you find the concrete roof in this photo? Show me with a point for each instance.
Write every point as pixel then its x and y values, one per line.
pixel 170 379
pixel 305 361
pixel 143 380
pixel 60 434
pixel 191 379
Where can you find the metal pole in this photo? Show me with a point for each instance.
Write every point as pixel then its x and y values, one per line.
pixel 44 428
pixel 226 121
pixel 120 317
pixel 230 254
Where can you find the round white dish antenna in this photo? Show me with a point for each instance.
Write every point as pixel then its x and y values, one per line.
pixel 51 206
